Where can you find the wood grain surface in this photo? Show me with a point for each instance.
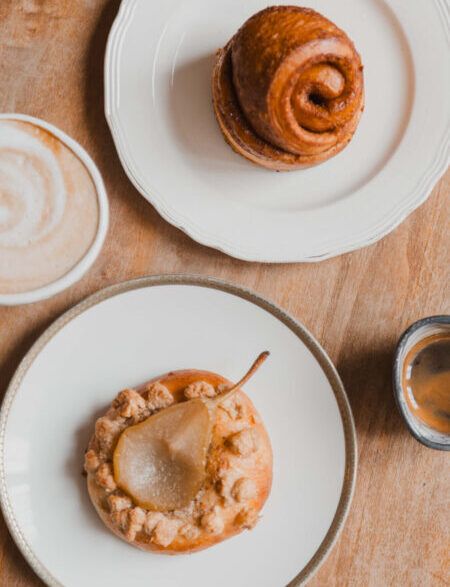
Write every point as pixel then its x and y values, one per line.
pixel 357 305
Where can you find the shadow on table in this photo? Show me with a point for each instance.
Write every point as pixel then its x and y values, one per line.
pixel 13 563
pixel 105 152
pixel 16 353
pixel 367 378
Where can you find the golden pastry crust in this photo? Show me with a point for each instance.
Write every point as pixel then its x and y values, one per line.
pixel 239 468
pixel 288 89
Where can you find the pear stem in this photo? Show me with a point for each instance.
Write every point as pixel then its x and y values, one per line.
pixel 219 399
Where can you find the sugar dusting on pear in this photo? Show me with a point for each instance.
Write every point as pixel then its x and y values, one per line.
pixel 161 462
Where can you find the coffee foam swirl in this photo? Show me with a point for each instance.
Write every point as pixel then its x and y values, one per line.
pixel 49 207
pixel 32 189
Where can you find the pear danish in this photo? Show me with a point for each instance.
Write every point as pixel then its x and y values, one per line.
pixel 181 463
pixel 288 88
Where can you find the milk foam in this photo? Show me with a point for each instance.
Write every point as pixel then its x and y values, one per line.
pixel 29 175
pixel 49 209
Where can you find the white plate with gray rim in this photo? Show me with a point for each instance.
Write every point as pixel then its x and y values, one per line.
pixel 158 103
pixel 124 335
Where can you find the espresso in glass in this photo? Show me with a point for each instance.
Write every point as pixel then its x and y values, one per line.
pixel 426 381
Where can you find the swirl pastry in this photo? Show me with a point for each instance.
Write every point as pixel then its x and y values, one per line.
pixel 288 88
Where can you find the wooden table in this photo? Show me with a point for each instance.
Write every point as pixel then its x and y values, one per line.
pixel 357 305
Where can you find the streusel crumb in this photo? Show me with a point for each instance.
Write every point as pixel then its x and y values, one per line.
pixel 129 403
pixel 107 433
pixel 212 521
pixel 91 461
pixel 233 408
pixel 151 519
pixel 136 519
pixel 245 442
pixel 117 503
pixel 120 519
pixel 244 489
pixel 165 531
pixel 190 531
pixel 158 396
pixel 199 389
pixel 222 387
pixel 104 477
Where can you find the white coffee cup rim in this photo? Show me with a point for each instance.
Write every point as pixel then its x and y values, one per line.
pixel 78 270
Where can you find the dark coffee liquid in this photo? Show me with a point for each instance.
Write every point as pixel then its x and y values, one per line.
pixel 426 381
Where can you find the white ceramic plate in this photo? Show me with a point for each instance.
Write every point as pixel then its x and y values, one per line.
pixel 124 335
pixel 158 68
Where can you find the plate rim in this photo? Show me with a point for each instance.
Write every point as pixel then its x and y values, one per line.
pixel 228 287
pixel 379 229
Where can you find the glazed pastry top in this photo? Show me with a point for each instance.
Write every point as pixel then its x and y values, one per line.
pixel 288 88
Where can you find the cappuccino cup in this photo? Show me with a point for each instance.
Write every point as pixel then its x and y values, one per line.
pixel 53 210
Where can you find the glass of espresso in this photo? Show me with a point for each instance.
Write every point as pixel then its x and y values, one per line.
pixel 422 380
pixel 53 210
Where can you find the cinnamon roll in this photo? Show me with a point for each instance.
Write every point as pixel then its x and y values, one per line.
pixel 288 88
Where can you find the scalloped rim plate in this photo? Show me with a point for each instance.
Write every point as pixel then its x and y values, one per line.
pixel 158 106
pixel 157 103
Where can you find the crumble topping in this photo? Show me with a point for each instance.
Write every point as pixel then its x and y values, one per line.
pixel 190 531
pixel 152 518
pixel 129 403
pixel 158 396
pixel 212 521
pixel 234 408
pixel 117 503
pixel 165 531
pixel 222 387
pixel 218 503
pixel 244 442
pixel 107 432
pixel 120 519
pixel 244 489
pixel 136 519
pixel 104 477
pixel 199 389
pixel 91 461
